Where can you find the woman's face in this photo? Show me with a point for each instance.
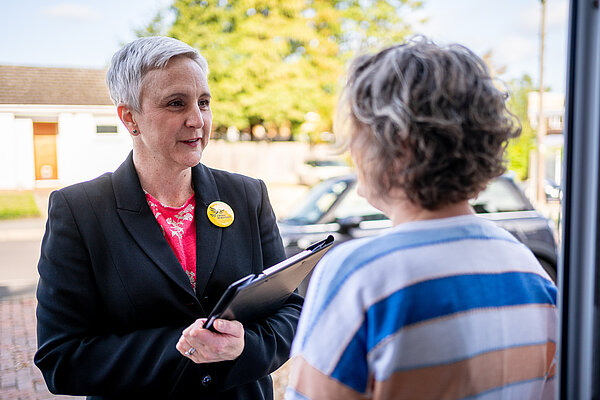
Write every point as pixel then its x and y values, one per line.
pixel 175 118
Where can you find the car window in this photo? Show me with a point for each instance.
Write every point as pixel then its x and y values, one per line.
pixel 316 203
pixel 353 205
pixel 501 195
pixel 326 163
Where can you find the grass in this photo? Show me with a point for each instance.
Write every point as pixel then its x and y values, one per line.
pixel 17 204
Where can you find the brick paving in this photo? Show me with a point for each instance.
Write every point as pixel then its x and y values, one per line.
pixel 19 377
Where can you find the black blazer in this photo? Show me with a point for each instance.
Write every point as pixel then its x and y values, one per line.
pixel 113 298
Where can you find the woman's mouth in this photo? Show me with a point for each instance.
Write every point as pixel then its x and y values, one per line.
pixel 192 142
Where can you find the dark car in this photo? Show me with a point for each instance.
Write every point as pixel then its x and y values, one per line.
pixel 334 208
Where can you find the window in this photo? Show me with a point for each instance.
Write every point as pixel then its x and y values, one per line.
pixel 107 129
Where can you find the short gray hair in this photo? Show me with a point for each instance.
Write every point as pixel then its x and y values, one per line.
pixel 132 62
pixel 426 119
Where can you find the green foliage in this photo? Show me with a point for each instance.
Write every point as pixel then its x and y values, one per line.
pixel 519 149
pixel 17 205
pixel 273 61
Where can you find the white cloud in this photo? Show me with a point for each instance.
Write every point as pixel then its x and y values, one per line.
pixel 72 11
pixel 557 15
pixel 519 54
pixel 516 48
pixel 529 17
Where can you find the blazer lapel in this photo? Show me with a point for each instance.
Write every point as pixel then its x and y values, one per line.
pixel 141 224
pixel 208 236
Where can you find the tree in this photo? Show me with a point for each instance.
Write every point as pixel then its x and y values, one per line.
pixel 520 148
pixel 275 61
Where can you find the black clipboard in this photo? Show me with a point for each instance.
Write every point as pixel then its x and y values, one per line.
pixel 258 295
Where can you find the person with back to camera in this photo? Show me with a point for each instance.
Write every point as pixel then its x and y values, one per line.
pixel 445 304
pixel 132 261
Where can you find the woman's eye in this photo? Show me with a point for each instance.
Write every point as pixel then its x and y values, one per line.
pixel 204 103
pixel 176 103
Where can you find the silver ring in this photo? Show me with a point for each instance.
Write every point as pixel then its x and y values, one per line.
pixel 190 351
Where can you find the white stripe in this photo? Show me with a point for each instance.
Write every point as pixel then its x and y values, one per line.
pixel 450 222
pixel 456 338
pixel 530 390
pixel 291 394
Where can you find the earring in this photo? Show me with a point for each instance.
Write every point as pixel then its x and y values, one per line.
pixel 135 132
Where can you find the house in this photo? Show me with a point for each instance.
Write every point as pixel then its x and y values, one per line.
pixel 57 126
pixel 553 105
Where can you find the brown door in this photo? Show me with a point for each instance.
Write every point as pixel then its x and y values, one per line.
pixel 44 150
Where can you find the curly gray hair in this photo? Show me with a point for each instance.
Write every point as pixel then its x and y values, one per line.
pixel 426 119
pixel 130 64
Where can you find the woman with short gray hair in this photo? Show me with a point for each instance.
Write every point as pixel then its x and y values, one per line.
pixel 444 305
pixel 133 261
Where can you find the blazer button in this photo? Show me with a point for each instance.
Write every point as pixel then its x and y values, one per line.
pixel 206 380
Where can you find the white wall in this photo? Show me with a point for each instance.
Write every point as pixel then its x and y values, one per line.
pixel 17 169
pixel 24 147
pixel 82 153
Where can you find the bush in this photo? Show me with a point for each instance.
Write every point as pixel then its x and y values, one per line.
pixel 18 205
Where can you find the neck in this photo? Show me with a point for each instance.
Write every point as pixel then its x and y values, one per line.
pixel 172 188
pixel 400 210
pixel 420 214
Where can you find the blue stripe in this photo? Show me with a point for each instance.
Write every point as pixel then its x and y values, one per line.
pixel 340 268
pixel 352 369
pixel 433 299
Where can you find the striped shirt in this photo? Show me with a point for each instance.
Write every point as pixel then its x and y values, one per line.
pixel 453 308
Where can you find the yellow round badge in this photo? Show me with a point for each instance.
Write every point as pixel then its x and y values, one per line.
pixel 220 214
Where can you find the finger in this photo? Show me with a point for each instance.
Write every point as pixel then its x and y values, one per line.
pixel 182 345
pixel 194 328
pixel 234 328
pixel 186 349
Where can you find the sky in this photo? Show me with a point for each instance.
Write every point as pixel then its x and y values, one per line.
pixel 85 33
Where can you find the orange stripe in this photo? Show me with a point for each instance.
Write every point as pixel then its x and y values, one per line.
pixel 312 383
pixel 470 377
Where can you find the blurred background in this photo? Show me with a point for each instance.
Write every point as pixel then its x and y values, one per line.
pixel 276 69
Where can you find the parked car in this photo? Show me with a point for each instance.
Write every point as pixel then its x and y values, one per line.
pixel 314 171
pixel 333 207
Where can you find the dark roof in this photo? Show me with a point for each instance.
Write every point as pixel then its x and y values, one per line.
pixel 58 86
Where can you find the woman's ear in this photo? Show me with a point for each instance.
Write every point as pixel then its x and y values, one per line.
pixel 126 115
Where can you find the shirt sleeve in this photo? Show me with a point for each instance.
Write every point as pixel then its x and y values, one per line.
pixel 325 363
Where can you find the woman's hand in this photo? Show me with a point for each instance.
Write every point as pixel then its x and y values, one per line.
pixel 204 346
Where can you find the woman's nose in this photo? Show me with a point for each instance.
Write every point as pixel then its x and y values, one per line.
pixel 195 119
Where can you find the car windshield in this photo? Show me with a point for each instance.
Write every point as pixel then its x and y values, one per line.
pixel 501 195
pixel 316 202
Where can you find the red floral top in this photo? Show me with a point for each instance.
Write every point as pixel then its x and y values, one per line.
pixel 178 227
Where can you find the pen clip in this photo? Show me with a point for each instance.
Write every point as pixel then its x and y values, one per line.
pixel 319 245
